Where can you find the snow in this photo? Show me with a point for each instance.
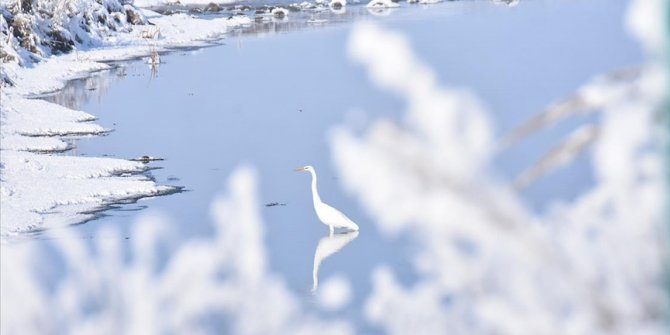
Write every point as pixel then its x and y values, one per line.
pixel 510 3
pixel 26 123
pixel 155 3
pixel 429 2
pixel 42 190
pixel 382 4
pixel 31 117
pixel 179 30
pixel 48 76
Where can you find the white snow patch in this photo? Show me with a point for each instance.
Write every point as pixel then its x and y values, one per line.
pixel 32 117
pixel 382 4
pixel 154 3
pixel 429 2
pixel 44 191
pixel 49 75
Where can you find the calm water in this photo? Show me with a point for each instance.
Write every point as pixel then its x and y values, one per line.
pixel 269 100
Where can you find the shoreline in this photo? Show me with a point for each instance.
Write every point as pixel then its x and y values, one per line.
pixel 158 35
pixel 41 190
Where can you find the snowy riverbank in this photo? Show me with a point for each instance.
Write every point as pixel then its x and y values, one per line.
pixel 41 189
pixel 45 44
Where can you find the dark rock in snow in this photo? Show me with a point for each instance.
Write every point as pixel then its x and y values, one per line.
pixel 60 42
pixel 134 16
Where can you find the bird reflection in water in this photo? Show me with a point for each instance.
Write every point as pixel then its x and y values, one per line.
pixel 327 246
pixel 154 62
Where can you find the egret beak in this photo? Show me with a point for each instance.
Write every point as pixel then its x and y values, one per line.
pixel 300 169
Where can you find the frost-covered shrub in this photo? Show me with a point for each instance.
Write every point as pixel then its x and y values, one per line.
pixel 33 29
pixel 485 261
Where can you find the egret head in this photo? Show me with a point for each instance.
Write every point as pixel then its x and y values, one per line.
pixel 305 168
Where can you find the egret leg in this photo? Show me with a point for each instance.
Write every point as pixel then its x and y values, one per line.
pixel 332 230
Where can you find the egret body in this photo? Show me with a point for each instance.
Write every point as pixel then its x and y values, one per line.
pixel 330 216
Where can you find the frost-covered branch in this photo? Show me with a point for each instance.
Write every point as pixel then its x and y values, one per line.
pixel 486 262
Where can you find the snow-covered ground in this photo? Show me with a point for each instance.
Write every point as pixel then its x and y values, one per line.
pixel 41 189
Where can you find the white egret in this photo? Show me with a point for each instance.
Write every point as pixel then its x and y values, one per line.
pixel 330 216
pixel 327 246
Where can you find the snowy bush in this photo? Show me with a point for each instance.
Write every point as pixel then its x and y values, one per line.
pixel 33 29
pixel 487 263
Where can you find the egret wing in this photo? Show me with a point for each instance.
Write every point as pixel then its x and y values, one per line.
pixel 331 216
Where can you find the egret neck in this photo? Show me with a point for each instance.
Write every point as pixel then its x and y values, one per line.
pixel 315 193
